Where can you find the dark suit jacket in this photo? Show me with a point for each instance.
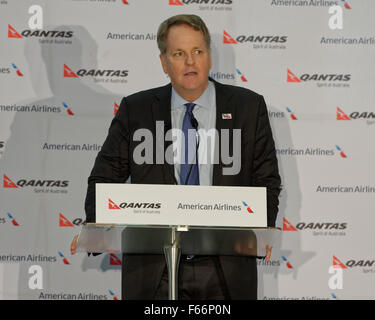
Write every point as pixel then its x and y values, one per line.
pixel 114 164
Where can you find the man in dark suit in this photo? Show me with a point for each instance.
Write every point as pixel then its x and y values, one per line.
pixel 184 43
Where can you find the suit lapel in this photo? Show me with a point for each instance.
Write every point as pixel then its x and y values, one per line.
pixel 225 117
pixel 161 111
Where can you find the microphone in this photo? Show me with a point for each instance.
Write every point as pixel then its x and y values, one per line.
pixel 194 122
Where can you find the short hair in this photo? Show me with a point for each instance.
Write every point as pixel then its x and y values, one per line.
pixel 191 20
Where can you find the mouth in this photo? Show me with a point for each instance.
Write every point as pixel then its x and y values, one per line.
pixel 191 73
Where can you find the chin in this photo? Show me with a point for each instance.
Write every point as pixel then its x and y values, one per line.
pixel 193 85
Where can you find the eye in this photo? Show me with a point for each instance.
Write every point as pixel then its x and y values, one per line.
pixel 177 54
pixel 198 51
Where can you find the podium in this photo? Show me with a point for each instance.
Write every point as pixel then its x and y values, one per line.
pixel 174 241
pixel 197 220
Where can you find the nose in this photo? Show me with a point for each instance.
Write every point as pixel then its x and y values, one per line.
pixel 189 59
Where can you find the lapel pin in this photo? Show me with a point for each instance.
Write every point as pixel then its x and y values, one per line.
pixel 226 116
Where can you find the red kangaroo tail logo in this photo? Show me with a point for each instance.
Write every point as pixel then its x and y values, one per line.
pixel 116 108
pixel 64 222
pixel 337 263
pixel 68 73
pixel 114 260
pixel 7 183
pixel 12 33
pixel 340 115
pixel 112 205
pixel 175 3
pixel 291 77
pixel 287 226
pixel 228 39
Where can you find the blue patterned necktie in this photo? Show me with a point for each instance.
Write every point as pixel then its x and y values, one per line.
pixel 189 152
pixel 189 149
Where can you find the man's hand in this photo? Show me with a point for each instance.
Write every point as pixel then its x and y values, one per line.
pixel 73 246
pixel 268 253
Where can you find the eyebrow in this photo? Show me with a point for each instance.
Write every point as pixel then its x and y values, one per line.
pixel 179 49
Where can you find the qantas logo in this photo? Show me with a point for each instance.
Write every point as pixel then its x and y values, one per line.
pixel 228 39
pixel 12 33
pixel 136 205
pixel 8 183
pixel 352 263
pixel 112 205
pixel 212 2
pixel 291 77
pixel 64 222
pixel 287 226
pixel 341 115
pixel 114 260
pixel 69 73
pixel 337 263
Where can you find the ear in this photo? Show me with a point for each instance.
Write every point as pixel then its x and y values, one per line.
pixel 163 63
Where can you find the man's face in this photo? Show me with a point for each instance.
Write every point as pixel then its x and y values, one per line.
pixel 187 61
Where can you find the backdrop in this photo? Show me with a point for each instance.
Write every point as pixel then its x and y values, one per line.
pixel 313 61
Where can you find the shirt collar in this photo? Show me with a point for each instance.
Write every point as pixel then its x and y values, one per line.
pixel 206 100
